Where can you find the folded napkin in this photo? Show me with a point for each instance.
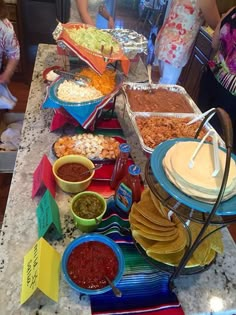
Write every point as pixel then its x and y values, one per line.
pixel 145 289
pixel 11 136
pixel 61 117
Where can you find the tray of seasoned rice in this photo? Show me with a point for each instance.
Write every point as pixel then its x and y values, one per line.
pixel 154 128
pixel 143 97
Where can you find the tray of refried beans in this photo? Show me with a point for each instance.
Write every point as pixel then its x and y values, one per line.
pixel 161 112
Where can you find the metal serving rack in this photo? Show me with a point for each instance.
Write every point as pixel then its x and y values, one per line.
pixel 186 213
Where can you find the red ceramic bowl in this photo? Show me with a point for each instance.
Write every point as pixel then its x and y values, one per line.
pixel 46 72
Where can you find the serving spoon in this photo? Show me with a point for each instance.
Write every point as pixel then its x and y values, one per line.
pixel 78 78
pixel 149 71
pixel 115 290
pixel 92 169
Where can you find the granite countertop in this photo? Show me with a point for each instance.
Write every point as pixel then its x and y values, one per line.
pixel 211 292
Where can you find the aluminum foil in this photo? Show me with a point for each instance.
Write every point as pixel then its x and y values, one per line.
pixel 131 42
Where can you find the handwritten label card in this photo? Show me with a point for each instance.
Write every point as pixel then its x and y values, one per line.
pixel 49 225
pixel 43 178
pixel 41 271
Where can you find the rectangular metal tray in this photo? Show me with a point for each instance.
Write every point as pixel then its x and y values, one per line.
pixel 149 150
pixel 146 86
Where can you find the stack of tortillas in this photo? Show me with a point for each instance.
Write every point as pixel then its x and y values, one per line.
pixel 165 239
pixel 198 181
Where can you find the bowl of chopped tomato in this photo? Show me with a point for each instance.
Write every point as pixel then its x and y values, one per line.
pixel 88 259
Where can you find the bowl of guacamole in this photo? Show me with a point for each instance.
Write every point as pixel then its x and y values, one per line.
pixel 87 209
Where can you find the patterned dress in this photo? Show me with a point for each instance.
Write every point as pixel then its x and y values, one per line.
pixel 93 6
pixel 223 65
pixel 176 37
pixel 9 45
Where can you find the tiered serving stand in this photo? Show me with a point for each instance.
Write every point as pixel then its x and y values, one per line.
pixel 219 214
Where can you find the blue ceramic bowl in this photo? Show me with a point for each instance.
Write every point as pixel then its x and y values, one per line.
pixel 99 238
pixel 53 96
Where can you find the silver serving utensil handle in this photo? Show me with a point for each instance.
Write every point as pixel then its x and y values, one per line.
pixel 92 169
pixel 115 290
pixel 80 79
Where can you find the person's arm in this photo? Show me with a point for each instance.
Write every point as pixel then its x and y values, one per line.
pixel 210 12
pixel 82 6
pixel 215 38
pixel 103 11
pixel 11 50
pixel 6 75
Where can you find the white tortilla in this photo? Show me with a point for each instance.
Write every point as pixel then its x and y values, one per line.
pixel 198 181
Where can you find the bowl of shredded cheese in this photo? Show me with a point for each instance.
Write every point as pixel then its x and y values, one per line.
pixel 69 92
pixel 83 102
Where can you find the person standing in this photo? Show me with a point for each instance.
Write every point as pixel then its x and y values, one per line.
pixel 9 46
pixel 176 37
pixel 87 11
pixel 218 83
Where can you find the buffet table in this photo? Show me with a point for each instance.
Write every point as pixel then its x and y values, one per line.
pixel 211 292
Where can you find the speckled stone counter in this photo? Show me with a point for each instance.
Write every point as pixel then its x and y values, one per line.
pixel 19 232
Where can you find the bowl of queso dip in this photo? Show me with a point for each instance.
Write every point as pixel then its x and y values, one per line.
pixel 88 259
pixel 72 173
pixel 88 209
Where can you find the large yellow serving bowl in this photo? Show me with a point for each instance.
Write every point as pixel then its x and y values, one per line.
pixel 73 187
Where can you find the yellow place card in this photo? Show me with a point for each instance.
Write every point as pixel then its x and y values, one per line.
pixel 41 271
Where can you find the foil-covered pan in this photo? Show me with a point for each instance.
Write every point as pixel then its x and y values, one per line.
pixel 147 87
pixel 131 42
pixel 147 149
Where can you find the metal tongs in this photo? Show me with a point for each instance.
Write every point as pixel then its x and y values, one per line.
pixel 75 76
pixel 215 139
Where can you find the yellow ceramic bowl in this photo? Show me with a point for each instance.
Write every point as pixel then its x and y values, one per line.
pixel 88 225
pixel 73 187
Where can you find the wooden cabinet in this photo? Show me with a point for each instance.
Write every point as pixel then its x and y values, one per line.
pixel 192 72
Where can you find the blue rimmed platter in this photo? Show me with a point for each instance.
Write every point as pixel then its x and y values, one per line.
pixel 227 207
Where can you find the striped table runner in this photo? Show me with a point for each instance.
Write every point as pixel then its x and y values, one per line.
pixel 145 289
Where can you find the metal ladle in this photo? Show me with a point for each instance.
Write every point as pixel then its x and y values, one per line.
pixel 115 290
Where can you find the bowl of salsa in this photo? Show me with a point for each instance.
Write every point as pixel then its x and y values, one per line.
pixel 88 209
pixel 88 259
pixel 72 173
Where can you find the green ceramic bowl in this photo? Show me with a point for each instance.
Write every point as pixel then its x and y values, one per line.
pixel 87 225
